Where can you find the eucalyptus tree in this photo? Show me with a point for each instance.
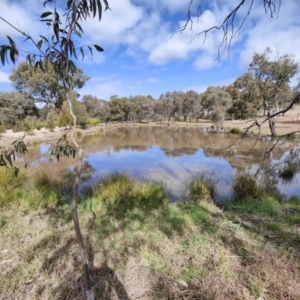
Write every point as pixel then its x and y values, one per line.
pixel 96 107
pixel 272 80
pixel 216 101
pixel 93 105
pixel 246 100
pixel 16 106
pixel 165 106
pixel 191 107
pixel 119 108
pixel 58 52
pixel 138 106
pixel 42 84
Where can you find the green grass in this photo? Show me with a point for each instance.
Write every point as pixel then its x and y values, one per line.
pixel 235 131
pixel 138 244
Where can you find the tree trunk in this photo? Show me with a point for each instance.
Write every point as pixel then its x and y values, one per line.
pixel 272 125
pixel 85 266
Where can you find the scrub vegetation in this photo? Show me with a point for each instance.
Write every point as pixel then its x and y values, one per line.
pixel 142 246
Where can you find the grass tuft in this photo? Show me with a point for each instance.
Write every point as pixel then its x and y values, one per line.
pixel 246 187
pixel 289 171
pixel 203 189
pixel 235 131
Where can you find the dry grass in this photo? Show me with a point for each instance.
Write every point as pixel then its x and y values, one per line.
pixel 140 247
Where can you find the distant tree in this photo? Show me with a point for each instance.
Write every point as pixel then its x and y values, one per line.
pixel 43 85
pixel 165 106
pixel 191 105
pixel 138 106
pixel 15 106
pixel 119 108
pixel 93 106
pixel 246 100
pixel 272 80
pixel 216 102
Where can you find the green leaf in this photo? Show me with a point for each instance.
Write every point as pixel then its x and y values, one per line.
pixel 91 50
pixel 73 49
pixel 44 38
pixel 98 48
pixel 3 53
pixel 79 27
pixel 8 158
pixel 11 42
pixel 12 55
pixel 69 3
pixel 46 14
pixel 106 5
pixel 99 9
pixel 77 33
pixel 42 66
pixel 82 52
pixel 39 44
pixel 94 8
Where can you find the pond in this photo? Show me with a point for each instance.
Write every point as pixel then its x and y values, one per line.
pixel 176 155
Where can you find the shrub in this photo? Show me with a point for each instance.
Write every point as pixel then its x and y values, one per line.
pixel 235 131
pixel 27 126
pixel 120 193
pixel 203 189
pixel 289 171
pixel 10 184
pixel 246 187
pixel 93 121
pixel 291 136
pixel 39 125
pixel 79 134
pixel 50 125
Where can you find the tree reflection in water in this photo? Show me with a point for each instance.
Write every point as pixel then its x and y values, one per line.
pixel 176 155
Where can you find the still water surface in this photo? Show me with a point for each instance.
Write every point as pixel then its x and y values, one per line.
pixel 173 156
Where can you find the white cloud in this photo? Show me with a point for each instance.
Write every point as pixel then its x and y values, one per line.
pixel 280 34
pixel 4 78
pixel 97 59
pixel 24 17
pixel 161 5
pixel 184 45
pixel 205 62
pixel 106 86
pixel 203 87
pixel 152 80
pixel 115 26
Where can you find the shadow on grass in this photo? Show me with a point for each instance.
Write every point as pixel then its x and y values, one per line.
pixel 274 222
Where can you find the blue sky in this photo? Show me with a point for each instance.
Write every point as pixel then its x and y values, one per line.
pixel 142 55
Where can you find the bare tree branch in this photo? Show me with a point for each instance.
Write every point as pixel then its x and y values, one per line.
pixel 230 26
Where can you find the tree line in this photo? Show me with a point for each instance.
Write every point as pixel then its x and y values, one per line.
pixel 263 90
